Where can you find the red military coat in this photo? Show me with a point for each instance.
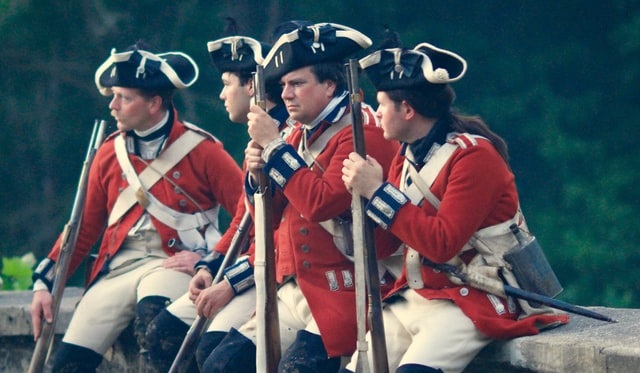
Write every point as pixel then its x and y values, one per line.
pixel 280 114
pixel 306 250
pixel 476 189
pixel 208 174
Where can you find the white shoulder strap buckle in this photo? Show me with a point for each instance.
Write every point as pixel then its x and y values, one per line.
pixel 150 175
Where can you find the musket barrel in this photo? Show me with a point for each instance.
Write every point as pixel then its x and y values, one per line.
pixel 200 324
pixel 67 246
pixel 365 259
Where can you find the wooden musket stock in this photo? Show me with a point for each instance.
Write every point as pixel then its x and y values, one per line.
pixel 364 249
pixel 268 333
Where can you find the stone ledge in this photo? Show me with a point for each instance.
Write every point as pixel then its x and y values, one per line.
pixel 583 346
pixel 16 337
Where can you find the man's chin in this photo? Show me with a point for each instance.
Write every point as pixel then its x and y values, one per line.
pixel 297 118
pixel 238 120
pixel 122 127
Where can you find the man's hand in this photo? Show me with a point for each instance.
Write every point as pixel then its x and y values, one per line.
pixel 361 176
pixel 182 261
pixel 262 128
pixel 213 298
pixel 40 305
pixel 253 160
pixel 199 282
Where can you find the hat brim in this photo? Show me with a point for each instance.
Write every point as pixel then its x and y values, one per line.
pixel 291 52
pixel 455 65
pixel 237 53
pixel 398 68
pixel 175 70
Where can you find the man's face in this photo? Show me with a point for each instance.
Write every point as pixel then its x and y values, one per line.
pixel 131 110
pixel 236 97
pixel 390 118
pixel 304 96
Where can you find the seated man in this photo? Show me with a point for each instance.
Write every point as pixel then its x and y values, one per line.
pixel 154 191
pixel 316 298
pixel 449 196
pixel 232 301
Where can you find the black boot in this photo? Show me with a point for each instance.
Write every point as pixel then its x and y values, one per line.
pixel 307 355
pixel 71 358
pixel 146 310
pixel 208 342
pixel 235 354
pixel 163 339
pixel 416 368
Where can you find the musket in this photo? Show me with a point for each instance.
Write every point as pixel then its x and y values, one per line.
pixel 200 324
pixel 268 330
pixel 365 260
pixel 68 242
pixel 492 285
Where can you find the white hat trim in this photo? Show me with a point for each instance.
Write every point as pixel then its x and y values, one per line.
pixel 341 31
pixel 437 76
pixel 437 73
pixel 166 69
pixel 255 46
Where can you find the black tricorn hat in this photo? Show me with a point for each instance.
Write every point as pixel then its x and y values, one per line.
pixel 310 45
pixel 398 68
pixel 288 26
pixel 237 53
pixel 141 69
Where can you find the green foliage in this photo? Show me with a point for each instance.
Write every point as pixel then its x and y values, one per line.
pixel 16 272
pixel 558 80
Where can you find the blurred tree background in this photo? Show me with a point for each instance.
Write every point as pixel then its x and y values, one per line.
pixel 557 79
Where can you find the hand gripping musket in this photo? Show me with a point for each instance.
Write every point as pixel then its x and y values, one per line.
pixel 268 330
pixel 200 324
pixel 488 282
pixel 67 247
pixel 365 260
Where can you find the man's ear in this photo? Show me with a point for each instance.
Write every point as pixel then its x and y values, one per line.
pixel 156 103
pixel 408 112
pixel 331 86
pixel 251 87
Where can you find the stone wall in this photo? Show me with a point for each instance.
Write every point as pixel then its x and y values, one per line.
pixel 583 346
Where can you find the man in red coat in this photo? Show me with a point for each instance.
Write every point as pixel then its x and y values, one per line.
pixel 231 301
pixel 154 191
pixel 449 190
pixel 316 297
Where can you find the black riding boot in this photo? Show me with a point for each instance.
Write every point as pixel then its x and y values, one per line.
pixel 235 354
pixel 307 355
pixel 146 310
pixel 416 368
pixel 163 339
pixel 208 342
pixel 71 358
